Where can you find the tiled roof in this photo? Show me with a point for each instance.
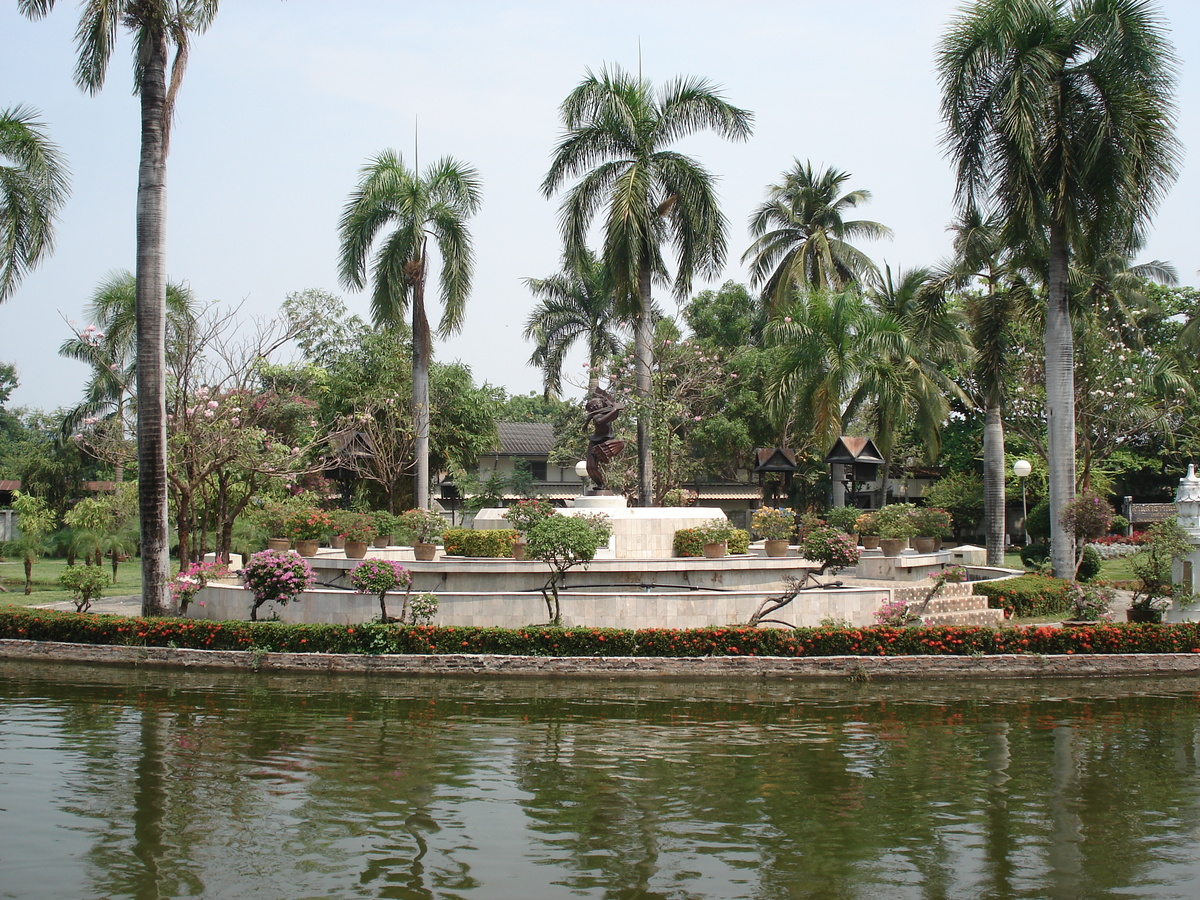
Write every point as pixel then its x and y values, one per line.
pixel 526 438
pixel 10 484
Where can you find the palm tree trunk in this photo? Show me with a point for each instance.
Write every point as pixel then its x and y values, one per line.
pixel 642 340
pixel 1060 402
pixel 151 331
pixel 993 481
pixel 422 350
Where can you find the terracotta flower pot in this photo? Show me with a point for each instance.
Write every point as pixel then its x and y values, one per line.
pixel 893 546
pixel 870 542
pixel 714 551
pixel 776 548
pixel 424 552
pixel 307 548
pixel 356 549
pixel 381 542
pixel 338 542
pixel 279 544
pixel 1134 614
pixel 926 544
pixel 518 550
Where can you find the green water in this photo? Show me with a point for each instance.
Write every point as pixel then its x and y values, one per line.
pixel 174 784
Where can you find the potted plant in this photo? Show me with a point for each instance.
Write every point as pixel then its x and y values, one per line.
pixel 275 516
pixel 1090 604
pixel 931 524
pixel 305 527
pixel 833 549
pixel 523 516
pixel 775 527
pixel 1152 566
pixel 385 526
pixel 716 534
pixel 280 576
pixel 844 519
pixel 426 527
pixel 868 530
pixel 679 497
pixel 357 530
pixel 379 576
pixel 896 526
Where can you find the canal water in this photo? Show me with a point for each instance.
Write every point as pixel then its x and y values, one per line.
pixel 156 784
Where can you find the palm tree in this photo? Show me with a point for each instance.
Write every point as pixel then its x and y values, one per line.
pixel 109 345
pixel 438 204
pixel 801 237
pixel 33 187
pixel 577 303
pixel 617 140
pixel 1059 113
pixel 158 29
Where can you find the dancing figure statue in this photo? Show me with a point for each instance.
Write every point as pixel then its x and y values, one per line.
pixel 602 410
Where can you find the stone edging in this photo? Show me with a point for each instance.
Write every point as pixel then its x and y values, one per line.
pixel 853 667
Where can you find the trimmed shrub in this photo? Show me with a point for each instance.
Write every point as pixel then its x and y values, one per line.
pixel 1028 595
pixel 1034 555
pixel 739 542
pixel 1089 566
pixel 494 543
pixel 375 638
pixel 688 542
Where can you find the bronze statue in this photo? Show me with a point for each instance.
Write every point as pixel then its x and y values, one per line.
pixel 602 410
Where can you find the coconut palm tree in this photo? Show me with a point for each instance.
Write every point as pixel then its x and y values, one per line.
pixel 618 134
pixel 802 238
pixel 578 303
pixel 1059 113
pixel 418 206
pixel 33 187
pixel 161 38
pixel 109 345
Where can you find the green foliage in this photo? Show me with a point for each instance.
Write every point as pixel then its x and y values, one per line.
pixel 691 541
pixel 773 524
pixel 565 542
pixel 738 543
pixel 425 525
pixel 833 549
pixel 1028 596
pixel 375 638
pixel 493 543
pixel 1034 556
pixel 716 531
pixel 1088 516
pixel 1089 565
pixel 961 493
pixel 843 518
pixel 1037 524
pixel 932 521
pixel 896 520
pixel 86 582
pixel 1152 564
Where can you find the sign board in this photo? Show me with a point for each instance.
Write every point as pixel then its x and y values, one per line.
pixel 1150 512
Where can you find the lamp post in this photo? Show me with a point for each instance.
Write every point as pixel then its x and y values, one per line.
pixel 582 472
pixel 1022 468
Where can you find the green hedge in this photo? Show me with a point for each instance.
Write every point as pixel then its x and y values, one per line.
pixel 496 543
pixel 1034 555
pixel 1027 595
pixel 46 625
pixel 688 542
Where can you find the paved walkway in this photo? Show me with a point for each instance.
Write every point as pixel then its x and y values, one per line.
pixel 122 605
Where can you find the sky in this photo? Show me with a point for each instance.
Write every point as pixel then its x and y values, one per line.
pixel 283 103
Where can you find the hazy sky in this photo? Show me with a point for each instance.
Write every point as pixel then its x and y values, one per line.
pixel 283 103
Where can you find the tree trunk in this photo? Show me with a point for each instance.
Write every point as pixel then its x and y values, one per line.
pixel 151 327
pixel 642 342
pixel 1060 402
pixel 422 350
pixel 993 481
pixel 29 575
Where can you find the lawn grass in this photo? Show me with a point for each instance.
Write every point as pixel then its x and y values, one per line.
pixel 45 581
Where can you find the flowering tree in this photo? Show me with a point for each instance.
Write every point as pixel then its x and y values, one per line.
pixel 280 576
pixel 379 576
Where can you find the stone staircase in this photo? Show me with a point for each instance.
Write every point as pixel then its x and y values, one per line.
pixel 953 604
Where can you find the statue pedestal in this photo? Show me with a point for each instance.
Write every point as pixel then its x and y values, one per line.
pixel 600 502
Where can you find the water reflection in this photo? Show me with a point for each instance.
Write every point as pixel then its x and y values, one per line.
pixel 168 784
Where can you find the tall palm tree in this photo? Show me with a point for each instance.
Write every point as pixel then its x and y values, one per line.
pixel 435 204
pixel 577 303
pixel 33 187
pixel 109 345
pixel 802 238
pixel 618 133
pixel 1059 113
pixel 159 29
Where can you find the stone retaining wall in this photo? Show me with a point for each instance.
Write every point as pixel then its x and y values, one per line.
pixel 852 667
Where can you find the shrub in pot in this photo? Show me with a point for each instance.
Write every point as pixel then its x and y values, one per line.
pixel 843 518
pixel 714 533
pixel 832 548
pixel 774 526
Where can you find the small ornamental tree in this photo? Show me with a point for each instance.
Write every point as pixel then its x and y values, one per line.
pixel 524 514
pixel 1152 566
pixel 1088 517
pixel 565 542
pixel 35 520
pixel 833 549
pixel 188 583
pixel 425 525
pixel 85 582
pixel 379 576
pixel 278 575
pixel 773 524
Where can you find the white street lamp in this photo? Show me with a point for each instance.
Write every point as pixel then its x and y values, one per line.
pixel 1022 468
